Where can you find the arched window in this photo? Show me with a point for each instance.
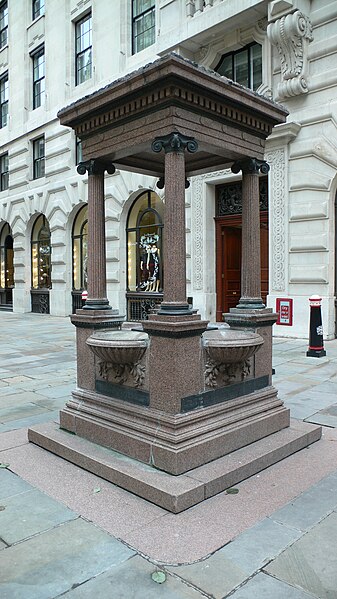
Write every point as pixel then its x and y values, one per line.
pixel 40 253
pixel 80 249
pixel 144 255
pixel 6 257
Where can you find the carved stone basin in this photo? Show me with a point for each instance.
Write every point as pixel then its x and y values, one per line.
pixel 229 346
pixel 118 347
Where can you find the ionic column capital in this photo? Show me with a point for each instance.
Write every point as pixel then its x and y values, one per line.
pixel 95 167
pixel 250 166
pixel 174 142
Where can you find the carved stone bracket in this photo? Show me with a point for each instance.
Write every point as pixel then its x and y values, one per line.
pixel 133 373
pixel 95 167
pixel 174 142
pixel 291 35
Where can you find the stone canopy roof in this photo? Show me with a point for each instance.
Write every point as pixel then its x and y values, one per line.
pixel 120 121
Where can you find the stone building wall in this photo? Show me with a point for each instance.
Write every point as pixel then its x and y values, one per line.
pixel 302 153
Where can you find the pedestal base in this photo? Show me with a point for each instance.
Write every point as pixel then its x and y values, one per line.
pixel 175 493
pixel 174 443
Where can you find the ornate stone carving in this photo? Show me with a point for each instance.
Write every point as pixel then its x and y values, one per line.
pixel 174 142
pixel 278 225
pixel 291 35
pixel 95 167
pixel 216 374
pixel 198 224
pixel 198 237
pixel 130 373
pixel 229 200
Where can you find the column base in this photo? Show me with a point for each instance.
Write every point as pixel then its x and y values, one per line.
pixel 97 304
pixel 174 309
pixel 250 304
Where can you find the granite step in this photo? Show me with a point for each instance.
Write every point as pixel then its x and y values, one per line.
pixel 175 493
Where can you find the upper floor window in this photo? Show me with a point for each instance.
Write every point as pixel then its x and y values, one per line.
pixel 3 24
pixel 3 100
pixel 143 24
pixel 4 172
pixel 38 158
pixel 38 8
pixel 38 77
pixel 83 34
pixel 243 66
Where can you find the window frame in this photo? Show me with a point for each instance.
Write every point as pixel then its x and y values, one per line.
pixel 82 238
pixel 78 150
pixel 135 232
pixel 38 258
pixel 80 53
pixel 4 171
pixel 38 98
pixel 3 24
pixel 139 17
pixel 38 9
pixel 248 48
pixel 4 99
pixel 38 160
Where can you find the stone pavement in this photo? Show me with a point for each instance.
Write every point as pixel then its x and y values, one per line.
pixel 66 533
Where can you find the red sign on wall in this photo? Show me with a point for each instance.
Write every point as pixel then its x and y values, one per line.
pixel 284 309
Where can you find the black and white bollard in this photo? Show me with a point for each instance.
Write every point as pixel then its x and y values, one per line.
pixel 316 345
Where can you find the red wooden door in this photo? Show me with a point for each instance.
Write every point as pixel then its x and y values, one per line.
pixel 228 258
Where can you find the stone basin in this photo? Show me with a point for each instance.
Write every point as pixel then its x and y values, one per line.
pixel 230 346
pixel 118 347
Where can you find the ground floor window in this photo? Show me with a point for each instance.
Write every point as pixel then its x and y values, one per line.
pixel 6 265
pixel 144 255
pixel 80 249
pixel 41 254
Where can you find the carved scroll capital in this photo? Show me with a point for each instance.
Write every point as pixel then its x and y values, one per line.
pixel 95 167
pixel 174 142
pixel 291 35
pixel 251 166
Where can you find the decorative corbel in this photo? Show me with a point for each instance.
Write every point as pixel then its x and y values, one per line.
pixel 291 35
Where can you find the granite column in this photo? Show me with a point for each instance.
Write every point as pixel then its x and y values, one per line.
pixel 251 251
pixel 174 145
pixel 97 288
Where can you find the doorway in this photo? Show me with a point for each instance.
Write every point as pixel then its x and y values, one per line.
pixel 228 259
pixel 228 223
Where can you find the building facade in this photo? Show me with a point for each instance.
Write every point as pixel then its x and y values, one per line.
pixel 55 52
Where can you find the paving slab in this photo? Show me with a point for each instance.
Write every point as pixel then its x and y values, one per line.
pixel 311 506
pixel 266 587
pixel 55 561
pixel 13 439
pixel 23 423
pixel 11 484
pixel 132 580
pixel 237 561
pixel 311 563
pixel 326 417
pixel 27 514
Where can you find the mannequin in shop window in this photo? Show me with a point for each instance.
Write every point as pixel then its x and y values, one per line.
pixel 149 264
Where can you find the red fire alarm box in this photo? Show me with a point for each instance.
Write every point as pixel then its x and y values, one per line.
pixel 284 309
